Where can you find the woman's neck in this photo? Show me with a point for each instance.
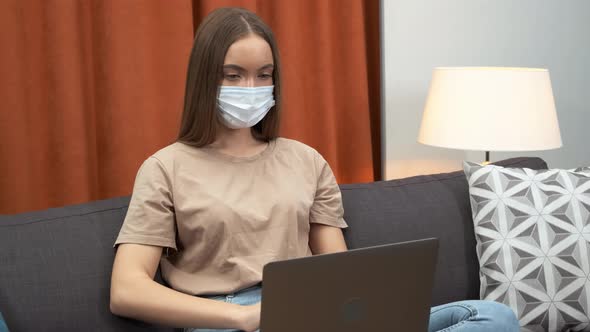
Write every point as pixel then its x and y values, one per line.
pixel 237 142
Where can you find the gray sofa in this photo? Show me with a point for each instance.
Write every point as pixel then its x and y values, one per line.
pixel 55 265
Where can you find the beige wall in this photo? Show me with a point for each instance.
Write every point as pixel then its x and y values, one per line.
pixel 419 35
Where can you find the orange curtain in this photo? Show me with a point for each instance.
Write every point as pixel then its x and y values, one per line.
pixel 89 89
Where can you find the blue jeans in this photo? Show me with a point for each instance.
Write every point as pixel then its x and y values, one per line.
pixel 3 327
pixel 246 296
pixel 463 316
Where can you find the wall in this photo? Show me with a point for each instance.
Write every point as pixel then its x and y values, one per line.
pixel 419 35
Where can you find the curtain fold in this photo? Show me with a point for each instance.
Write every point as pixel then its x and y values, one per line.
pixel 89 89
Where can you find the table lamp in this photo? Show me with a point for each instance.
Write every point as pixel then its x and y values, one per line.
pixel 490 109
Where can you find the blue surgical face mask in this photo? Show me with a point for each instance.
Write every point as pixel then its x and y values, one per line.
pixel 241 107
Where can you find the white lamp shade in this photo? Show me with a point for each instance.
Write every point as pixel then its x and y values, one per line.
pixel 490 109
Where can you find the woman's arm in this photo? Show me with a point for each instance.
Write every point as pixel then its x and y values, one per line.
pixel 325 239
pixel 135 294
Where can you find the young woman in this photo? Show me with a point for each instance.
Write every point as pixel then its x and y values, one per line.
pixel 230 196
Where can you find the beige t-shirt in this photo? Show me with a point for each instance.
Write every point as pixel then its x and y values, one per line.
pixel 226 217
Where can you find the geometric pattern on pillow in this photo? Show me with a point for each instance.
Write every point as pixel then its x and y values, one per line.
pixel 533 243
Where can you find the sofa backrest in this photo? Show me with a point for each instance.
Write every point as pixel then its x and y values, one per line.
pixel 421 207
pixel 55 269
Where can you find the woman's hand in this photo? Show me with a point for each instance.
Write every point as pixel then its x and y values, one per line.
pixel 249 319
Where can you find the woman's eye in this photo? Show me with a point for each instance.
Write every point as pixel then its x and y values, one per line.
pixel 232 77
pixel 265 76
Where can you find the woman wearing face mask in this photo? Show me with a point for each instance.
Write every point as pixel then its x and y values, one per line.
pixel 230 196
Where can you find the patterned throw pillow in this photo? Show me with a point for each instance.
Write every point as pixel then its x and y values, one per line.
pixel 533 243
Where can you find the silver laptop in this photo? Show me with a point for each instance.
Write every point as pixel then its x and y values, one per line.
pixel 382 288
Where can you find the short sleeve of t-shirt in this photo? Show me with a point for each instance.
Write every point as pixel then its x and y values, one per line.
pixel 327 206
pixel 150 218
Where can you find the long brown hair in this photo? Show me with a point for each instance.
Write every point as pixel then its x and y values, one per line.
pixel 220 29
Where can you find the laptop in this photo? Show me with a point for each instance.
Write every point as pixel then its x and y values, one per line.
pixel 381 288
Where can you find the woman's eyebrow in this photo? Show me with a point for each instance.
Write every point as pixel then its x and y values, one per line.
pixel 232 66
pixel 239 68
pixel 267 66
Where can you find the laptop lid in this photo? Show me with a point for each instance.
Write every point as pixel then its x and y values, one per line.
pixel 381 288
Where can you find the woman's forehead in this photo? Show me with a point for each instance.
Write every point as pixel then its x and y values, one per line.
pixel 250 51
